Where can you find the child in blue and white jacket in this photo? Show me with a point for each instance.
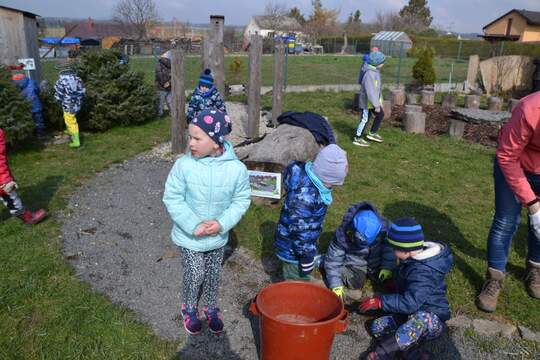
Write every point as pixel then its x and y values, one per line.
pixel 205 96
pixel 309 193
pixel 206 194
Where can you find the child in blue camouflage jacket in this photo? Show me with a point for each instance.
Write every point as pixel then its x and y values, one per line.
pixel 309 193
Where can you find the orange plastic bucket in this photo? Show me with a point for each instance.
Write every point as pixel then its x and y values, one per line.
pixel 298 320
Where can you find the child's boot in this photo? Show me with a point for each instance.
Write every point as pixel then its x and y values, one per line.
pixel 31 218
pixel 487 300
pixel 532 279
pixel 213 316
pixel 75 142
pixel 387 349
pixel 192 324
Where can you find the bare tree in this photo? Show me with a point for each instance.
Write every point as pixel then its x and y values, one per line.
pixel 141 14
pixel 321 22
pixel 275 12
pixel 387 21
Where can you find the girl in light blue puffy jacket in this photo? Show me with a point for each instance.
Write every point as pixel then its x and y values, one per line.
pixel 207 192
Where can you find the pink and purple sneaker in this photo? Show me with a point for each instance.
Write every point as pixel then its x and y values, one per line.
pixel 213 316
pixel 192 324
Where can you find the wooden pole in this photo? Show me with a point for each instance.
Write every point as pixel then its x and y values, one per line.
pixel 217 52
pixel 279 78
pixel 205 53
pixel 254 88
pixel 178 121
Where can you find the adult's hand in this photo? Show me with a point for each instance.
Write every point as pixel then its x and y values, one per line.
pixel 534 218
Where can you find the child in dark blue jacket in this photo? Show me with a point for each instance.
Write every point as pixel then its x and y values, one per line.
pixel 205 96
pixel 30 91
pixel 309 193
pixel 419 308
pixel 359 249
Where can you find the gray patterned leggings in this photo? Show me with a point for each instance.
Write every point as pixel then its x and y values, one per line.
pixel 201 269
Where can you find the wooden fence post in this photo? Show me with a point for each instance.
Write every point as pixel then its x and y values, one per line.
pixel 254 88
pixel 178 121
pixel 217 52
pixel 205 52
pixel 279 79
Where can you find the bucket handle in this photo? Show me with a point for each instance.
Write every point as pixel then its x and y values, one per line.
pixel 253 306
pixel 343 323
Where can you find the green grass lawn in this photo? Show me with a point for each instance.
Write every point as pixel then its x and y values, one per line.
pixel 302 70
pixel 46 313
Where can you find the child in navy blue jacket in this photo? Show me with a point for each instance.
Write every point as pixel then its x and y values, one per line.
pixel 419 308
pixel 309 193
pixel 358 250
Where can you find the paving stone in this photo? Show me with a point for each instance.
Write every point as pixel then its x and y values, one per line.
pixel 528 334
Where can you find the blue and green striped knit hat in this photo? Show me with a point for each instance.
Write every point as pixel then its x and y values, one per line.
pixel 206 78
pixel 406 235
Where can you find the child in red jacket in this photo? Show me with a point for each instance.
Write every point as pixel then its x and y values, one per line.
pixel 7 190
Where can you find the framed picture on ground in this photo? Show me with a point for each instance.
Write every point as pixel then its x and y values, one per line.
pixel 265 184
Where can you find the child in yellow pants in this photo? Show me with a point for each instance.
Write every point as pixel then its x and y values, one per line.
pixel 69 91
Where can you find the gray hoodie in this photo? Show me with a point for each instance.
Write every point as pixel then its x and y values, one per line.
pixel 371 89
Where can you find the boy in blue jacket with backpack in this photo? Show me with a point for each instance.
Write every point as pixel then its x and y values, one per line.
pixel 419 308
pixel 359 250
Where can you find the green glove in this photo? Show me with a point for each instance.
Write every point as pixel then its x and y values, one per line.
pixel 339 291
pixel 385 274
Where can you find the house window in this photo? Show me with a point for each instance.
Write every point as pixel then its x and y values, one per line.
pixel 509 27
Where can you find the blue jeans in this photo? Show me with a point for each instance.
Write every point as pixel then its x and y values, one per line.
pixel 506 220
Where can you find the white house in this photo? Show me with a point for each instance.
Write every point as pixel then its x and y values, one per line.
pixel 268 25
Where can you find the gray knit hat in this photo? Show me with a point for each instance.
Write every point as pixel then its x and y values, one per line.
pixel 331 165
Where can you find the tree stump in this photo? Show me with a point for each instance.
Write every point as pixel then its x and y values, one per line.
pixel 413 108
pixel 449 101
pixel 472 101
pixel 398 97
pixel 456 128
pixel 387 108
pixel 428 97
pixel 412 98
pixel 415 122
pixel 494 103
pixel 512 104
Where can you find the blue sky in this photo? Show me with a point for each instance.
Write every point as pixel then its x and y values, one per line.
pixel 455 15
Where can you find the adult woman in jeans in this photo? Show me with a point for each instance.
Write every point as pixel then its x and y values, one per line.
pixel 517 184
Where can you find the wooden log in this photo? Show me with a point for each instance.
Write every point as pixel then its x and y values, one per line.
pixel 216 51
pixel 413 108
pixel 412 98
pixel 415 122
pixel 449 101
pixel 472 101
pixel 254 87
pixel 456 128
pixel 205 53
pixel 279 81
pixel 398 96
pixel 428 97
pixel 494 103
pixel 512 104
pixel 178 122
pixel 472 72
pixel 387 108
